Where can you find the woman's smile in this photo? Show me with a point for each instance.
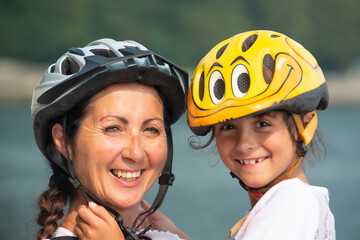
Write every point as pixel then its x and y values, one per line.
pixel 128 176
pixel 121 148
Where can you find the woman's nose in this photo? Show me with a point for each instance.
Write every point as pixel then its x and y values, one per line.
pixel 133 150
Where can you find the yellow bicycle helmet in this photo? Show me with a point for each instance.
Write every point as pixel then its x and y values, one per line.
pixel 250 73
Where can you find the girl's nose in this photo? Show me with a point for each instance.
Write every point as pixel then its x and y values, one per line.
pixel 133 149
pixel 245 141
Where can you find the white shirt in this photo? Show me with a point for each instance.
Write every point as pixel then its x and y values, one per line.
pixel 290 210
pixel 153 234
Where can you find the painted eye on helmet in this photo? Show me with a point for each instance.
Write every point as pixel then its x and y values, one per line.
pixel 240 81
pixel 216 87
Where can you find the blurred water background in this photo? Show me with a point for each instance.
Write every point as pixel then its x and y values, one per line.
pixel 204 201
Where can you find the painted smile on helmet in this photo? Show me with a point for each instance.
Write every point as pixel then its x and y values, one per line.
pixel 241 83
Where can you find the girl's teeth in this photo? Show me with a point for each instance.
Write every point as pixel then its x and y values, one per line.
pixel 251 162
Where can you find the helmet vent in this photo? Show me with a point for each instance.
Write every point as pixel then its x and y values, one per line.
pixel 69 66
pixel 103 52
pixel 268 68
pixel 243 82
pixel 219 89
pixel 249 42
pixel 76 51
pixel 52 68
pixel 159 61
pixel 131 47
pixel 125 52
pixel 201 87
pixel 275 36
pixel 221 51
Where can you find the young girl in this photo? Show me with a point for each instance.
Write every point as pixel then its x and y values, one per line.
pixel 257 93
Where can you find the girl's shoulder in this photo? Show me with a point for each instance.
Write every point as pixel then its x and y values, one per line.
pixel 160 235
pixel 295 188
pixel 293 195
pixel 287 195
pixel 292 208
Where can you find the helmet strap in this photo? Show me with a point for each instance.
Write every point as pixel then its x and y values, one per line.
pixel 257 193
pixel 306 135
pixel 166 179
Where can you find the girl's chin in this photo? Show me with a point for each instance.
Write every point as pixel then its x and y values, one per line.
pixel 256 184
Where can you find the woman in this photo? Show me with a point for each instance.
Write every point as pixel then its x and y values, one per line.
pixel 101 116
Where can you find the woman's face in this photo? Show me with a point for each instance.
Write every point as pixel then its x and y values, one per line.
pixel 256 148
pixel 120 148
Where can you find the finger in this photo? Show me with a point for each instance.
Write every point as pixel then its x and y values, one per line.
pixel 87 216
pixel 78 231
pixel 101 212
pixel 146 206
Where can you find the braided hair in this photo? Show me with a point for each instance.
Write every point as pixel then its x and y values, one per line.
pixel 53 200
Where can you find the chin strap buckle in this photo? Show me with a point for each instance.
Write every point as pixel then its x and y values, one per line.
pixel 75 182
pixel 301 149
pixel 167 179
pixel 128 233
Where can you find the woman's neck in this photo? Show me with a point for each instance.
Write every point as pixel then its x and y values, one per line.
pixel 69 222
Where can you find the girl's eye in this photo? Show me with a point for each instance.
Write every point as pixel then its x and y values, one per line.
pixel 262 124
pixel 227 127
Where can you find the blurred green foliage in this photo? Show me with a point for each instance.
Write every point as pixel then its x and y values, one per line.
pixel 183 31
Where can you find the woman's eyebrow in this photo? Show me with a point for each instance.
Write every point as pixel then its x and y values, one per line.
pixel 153 119
pixel 121 119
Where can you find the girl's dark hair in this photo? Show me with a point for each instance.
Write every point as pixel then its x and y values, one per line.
pixel 52 201
pixel 317 145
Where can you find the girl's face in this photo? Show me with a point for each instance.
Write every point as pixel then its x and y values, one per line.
pixel 121 147
pixel 256 148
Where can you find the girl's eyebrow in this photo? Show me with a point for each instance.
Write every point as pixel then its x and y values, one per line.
pixel 270 114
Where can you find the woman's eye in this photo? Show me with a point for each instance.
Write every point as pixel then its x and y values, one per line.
pixel 112 129
pixel 152 130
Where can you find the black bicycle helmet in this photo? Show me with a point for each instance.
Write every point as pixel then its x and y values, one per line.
pixel 83 72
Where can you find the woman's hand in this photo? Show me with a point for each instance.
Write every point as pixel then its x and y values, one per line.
pixel 160 222
pixel 94 223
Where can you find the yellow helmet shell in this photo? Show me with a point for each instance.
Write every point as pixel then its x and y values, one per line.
pixel 253 72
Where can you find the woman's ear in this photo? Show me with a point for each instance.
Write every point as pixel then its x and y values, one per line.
pixel 58 138
pixel 307 117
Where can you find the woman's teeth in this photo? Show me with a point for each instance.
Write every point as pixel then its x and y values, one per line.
pixel 251 161
pixel 126 176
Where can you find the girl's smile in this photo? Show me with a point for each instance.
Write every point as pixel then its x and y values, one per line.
pixel 251 161
pixel 256 148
